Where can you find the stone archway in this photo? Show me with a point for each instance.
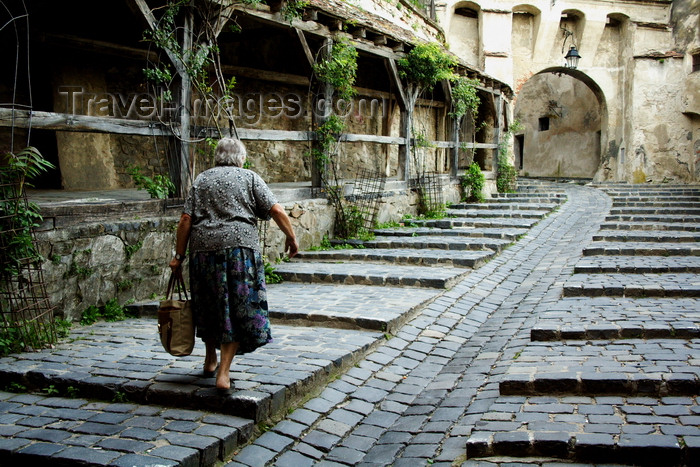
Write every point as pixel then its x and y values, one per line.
pixel 564 124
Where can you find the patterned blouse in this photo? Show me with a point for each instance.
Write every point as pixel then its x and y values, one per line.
pixel 225 203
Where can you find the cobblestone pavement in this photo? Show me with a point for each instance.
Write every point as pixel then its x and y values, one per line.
pixel 415 399
pixel 500 369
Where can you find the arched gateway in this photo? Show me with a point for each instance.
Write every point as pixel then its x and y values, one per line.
pixel 563 115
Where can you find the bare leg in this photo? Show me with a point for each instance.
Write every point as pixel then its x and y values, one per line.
pixel 210 359
pixel 228 351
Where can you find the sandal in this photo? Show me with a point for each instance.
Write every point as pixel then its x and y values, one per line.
pixel 209 374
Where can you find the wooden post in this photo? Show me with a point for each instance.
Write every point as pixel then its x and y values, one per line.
pixel 403 169
pixel 497 128
pixel 321 110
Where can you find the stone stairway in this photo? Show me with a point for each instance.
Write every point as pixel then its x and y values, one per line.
pixel 110 395
pixel 610 374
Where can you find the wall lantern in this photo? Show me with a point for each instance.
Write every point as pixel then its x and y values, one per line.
pixel 572 57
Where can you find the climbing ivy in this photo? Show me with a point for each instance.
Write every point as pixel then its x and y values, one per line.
pixel 426 65
pixel 465 99
pixel 507 175
pixel 339 68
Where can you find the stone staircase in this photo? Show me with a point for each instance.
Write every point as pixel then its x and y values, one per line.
pixel 132 404
pixel 611 373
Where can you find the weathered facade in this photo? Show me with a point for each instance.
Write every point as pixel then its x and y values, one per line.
pixel 629 112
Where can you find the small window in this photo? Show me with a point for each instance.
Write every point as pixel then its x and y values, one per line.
pixel 696 62
pixel 544 123
pixel 467 12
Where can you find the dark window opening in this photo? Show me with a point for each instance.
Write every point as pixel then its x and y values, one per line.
pixel 696 62
pixel 544 123
pixel 468 12
pixel 519 146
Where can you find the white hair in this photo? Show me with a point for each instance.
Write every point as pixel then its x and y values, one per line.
pixel 230 151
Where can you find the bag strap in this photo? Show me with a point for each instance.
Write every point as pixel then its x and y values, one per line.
pixel 176 281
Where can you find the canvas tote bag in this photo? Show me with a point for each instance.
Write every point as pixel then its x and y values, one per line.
pixel 175 323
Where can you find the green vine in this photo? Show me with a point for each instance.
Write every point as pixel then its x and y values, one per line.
pixel 426 65
pixel 473 182
pixel 339 68
pixel 507 175
pixel 465 99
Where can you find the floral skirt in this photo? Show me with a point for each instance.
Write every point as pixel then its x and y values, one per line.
pixel 229 299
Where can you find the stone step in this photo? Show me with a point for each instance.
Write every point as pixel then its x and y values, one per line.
pixel 125 360
pixel 583 318
pixel 546 197
pixel 629 367
pixel 658 236
pixel 637 285
pixel 632 226
pixel 500 213
pixel 641 249
pixel 658 218
pixel 510 234
pixel 652 194
pixel 657 202
pixel 637 264
pixel 508 206
pixel 445 243
pixel 491 223
pixel 458 259
pixel 651 211
pixel 363 273
pixel 374 308
pixel 59 431
pixel 588 430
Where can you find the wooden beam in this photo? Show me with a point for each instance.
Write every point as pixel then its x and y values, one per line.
pixel 320 30
pixel 142 6
pixel 310 15
pixel 264 75
pixel 396 80
pixel 359 33
pixel 305 46
pixel 84 123
pixel 98 46
pixel 89 124
pixel 380 39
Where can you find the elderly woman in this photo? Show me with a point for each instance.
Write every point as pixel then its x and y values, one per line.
pixel 227 273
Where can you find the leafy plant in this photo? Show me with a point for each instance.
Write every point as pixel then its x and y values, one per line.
pixel 72 392
pixel 90 315
pixel 16 387
pixel 271 276
pixel 18 217
pixel 473 182
pixel 112 311
pixel 159 186
pixel 51 390
pixel 131 249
